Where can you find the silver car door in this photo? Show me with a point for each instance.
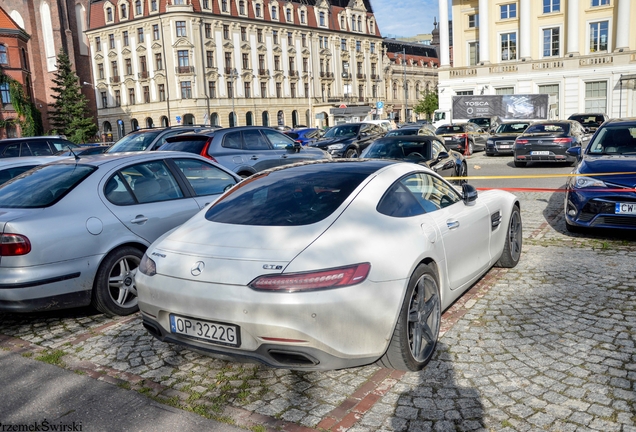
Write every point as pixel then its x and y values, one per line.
pixel 147 199
pixel 207 181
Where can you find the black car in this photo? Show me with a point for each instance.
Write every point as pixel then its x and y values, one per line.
pixel 34 146
pixel 349 139
pixel 245 149
pixel 487 123
pixel 548 141
pixel 152 138
pixel 457 135
pixel 503 138
pixel 426 150
pixel 591 121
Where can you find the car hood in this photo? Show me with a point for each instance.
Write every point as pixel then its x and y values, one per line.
pixel 610 164
pixel 327 142
pixel 505 136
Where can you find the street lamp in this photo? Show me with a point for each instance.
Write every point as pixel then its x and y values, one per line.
pixel 233 76
pixel 406 107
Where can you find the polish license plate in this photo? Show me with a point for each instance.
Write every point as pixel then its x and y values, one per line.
pixel 225 334
pixel 625 208
pixel 540 153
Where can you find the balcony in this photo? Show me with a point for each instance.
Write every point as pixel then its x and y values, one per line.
pixel 326 74
pixel 143 75
pixel 184 69
pixel 263 72
pixel 504 69
pixel 375 76
pixel 115 79
pixel 346 75
pixel 557 64
pixel 361 76
pixel 595 61
pixel 293 73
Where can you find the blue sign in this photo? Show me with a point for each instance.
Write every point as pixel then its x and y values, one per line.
pixel 120 122
pixel 379 105
pixel 178 119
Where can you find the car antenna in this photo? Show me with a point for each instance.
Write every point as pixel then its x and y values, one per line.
pixel 73 153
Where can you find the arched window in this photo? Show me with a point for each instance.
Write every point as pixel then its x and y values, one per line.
pixel 12 130
pixel 294 118
pixel 395 91
pixel 280 117
pixel 4 59
pixel 322 19
pixel 258 10
pixel 123 11
pixel 249 119
pixel 214 119
pixel 164 121
pixel 360 24
pixel 107 127
pixel 188 119
pixel 265 117
pixel 417 90
pixel 109 14
pixel 149 122
pixel 242 7
pixel 138 7
pixel 134 125
pixel 231 119
pixel 353 23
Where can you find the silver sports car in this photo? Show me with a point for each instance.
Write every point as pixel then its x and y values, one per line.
pixel 326 265
pixel 72 232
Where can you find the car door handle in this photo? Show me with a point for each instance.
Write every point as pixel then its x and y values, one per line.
pixel 139 219
pixel 254 157
pixel 284 156
pixel 452 224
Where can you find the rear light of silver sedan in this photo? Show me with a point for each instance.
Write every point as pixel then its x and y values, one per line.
pixel 14 245
pixel 315 280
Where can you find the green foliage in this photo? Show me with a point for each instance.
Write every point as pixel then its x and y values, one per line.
pixel 28 117
pixel 428 105
pixel 69 113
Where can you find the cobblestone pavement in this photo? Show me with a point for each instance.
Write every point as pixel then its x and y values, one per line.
pixel 548 345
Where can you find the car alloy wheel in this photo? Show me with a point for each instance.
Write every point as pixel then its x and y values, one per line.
pixel 350 153
pixel 114 291
pixel 514 240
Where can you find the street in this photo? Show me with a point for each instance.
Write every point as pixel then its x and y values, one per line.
pixel 547 345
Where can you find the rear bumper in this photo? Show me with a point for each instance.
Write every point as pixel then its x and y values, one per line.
pixel 556 154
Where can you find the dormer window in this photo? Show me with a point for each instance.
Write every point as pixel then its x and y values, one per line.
pixel 353 23
pixel 153 5
pixel 372 27
pixel 274 13
pixel 258 10
pixel 360 24
pixel 242 7
pixel 123 11
pixel 109 14
pixel 289 15
pixel 223 5
pixel 322 19
pixel 342 22
pixel 138 7
pixel 302 17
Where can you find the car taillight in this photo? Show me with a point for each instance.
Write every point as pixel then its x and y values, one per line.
pixel 321 279
pixel 563 140
pixel 14 244
pixel 460 136
pixel 204 152
pixel 521 141
pixel 298 141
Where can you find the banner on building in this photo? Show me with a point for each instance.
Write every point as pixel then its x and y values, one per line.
pixel 523 106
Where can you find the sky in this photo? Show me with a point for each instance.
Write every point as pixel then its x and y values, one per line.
pixel 405 17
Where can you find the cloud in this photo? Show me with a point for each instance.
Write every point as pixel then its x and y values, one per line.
pixel 405 17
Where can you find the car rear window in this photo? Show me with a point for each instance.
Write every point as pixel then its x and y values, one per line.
pixel 47 184
pixel 291 197
pixel 449 129
pixel 292 135
pixel 511 128
pixel 548 128
pixel 136 141
pixel 186 144
pixel 588 119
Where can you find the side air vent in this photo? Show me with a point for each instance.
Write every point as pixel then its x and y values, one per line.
pixel 495 219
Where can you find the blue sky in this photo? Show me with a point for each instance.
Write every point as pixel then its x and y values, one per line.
pixel 405 17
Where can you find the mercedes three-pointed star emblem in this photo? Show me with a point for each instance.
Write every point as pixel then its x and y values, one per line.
pixel 197 268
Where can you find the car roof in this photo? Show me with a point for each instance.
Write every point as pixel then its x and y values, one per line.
pixel 106 158
pixel 28 160
pixel 626 121
pixel 406 137
pixel 41 137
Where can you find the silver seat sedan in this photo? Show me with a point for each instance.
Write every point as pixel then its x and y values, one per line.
pixel 73 231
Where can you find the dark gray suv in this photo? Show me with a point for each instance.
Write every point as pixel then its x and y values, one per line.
pixel 246 149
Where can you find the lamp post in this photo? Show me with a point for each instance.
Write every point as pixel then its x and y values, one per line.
pixel 233 76
pixel 406 107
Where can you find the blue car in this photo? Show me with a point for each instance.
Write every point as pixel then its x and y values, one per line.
pixel 305 136
pixel 600 199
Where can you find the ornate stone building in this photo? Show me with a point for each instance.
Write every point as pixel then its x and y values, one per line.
pixel 165 62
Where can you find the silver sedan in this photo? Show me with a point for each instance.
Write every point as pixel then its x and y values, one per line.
pixel 73 231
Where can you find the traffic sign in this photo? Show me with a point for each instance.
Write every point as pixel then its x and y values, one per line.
pixel 379 105
pixel 178 119
pixel 120 122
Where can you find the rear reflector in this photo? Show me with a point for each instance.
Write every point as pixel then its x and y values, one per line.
pixel 321 279
pixel 14 244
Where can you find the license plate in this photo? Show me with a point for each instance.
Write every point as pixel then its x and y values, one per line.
pixel 503 146
pixel 540 153
pixel 225 334
pixel 448 138
pixel 625 208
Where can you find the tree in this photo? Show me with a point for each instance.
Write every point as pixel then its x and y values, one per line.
pixel 428 105
pixel 69 113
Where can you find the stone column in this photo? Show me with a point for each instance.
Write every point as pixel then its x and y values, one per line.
pixel 484 41
pixel 524 29
pixel 622 24
pixel 444 40
pixel 573 27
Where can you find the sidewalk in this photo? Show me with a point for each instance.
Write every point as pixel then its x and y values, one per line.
pixel 37 392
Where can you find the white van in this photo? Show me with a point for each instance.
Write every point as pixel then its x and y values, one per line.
pixel 385 124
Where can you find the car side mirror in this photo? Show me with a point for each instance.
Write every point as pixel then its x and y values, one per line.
pixel 442 155
pixel 469 194
pixel 574 151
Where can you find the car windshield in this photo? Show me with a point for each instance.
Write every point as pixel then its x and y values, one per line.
pixel 342 131
pixel 405 131
pixel 185 144
pixel 135 141
pixel 619 140
pixel 45 185
pixel 511 128
pixel 548 128
pixel 588 119
pixel 449 129
pixel 398 149
pixel 290 197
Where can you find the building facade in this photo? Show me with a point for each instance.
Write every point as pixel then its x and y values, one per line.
pixel 168 62
pixel 581 52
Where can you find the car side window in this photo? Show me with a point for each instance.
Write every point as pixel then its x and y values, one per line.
pixel 151 182
pixel 205 178
pixel 60 145
pixel 277 139
pixel 437 148
pixel 25 150
pixel 254 140
pixel 117 193
pixel 12 150
pixel 40 148
pixel 233 140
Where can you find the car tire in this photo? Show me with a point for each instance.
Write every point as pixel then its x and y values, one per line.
pixel 349 154
pixel 471 148
pixel 418 322
pixel 513 241
pixel 114 291
pixel 520 164
pixel 489 154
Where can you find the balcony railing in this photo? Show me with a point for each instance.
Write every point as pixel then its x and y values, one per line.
pixel 557 64
pixel 293 73
pixel 326 74
pixel 143 75
pixel 346 75
pixel 593 61
pixel 184 69
pixel 361 76
pixel 115 79
pixel 263 72
pixel 375 76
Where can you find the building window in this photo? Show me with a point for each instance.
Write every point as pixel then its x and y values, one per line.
pixel 550 6
pixel 246 61
pixel 274 13
pixel 306 90
pixel 247 86
pixel 305 64
pixel 138 7
pixel 104 100
pixel 374 91
pixel 208 31
pixel 181 29
pixel 508 11
pixel 600 2
pixel 343 44
pixel 114 68
pixel 372 28
pixel 209 57
pixel 275 37
pixel 465 93
pixel 342 22
pixel 353 23
pixel 226 31
pixel 279 90
pixel 473 49
pixel 183 58
pixel 322 19
pixel 212 89
pixel 153 5
pixel 242 7
pixel 277 63
pixel 505 90
pixel 596 96
pixel 551 42
pixel 395 95
pixel 117 98
pixel 292 65
pixel 162 92
pixel 244 34
pixel 128 66
pixel 372 47
pixel 206 4
pixel 263 89
pixel 125 38
pixel 223 5
pixel 158 61
pixel 359 68
pixel 111 41
pixel 302 17
pixel 259 35
pixel 186 90
pixel 508 46
pixel 373 69
pixel 230 89
pixel 98 44
pixel 131 96
pixel 228 60
pixel 100 70
pixel 290 38
pixel 289 15
pixel 473 20
pixel 598 36
pixel 143 66
pixel 358 46
pixel 123 11
pixel 3 55
pixel 109 14
pixel 292 88
pixel 303 39
pixel 140 35
pixel 155 31
pixel 146 94
pixel 258 10
pixel 360 24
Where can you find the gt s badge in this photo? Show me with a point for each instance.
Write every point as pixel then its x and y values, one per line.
pixel 272 267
